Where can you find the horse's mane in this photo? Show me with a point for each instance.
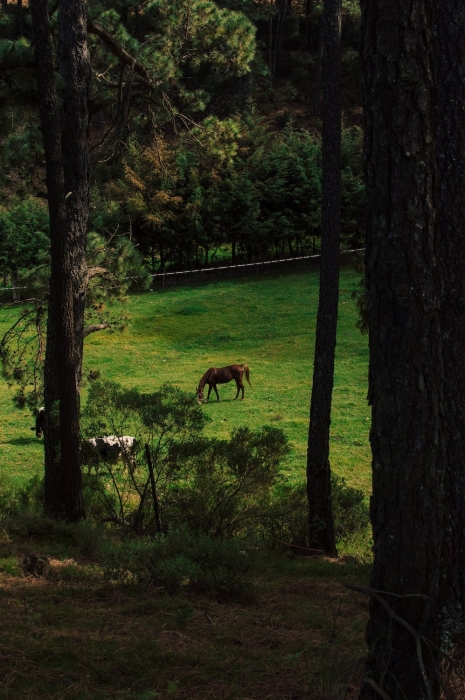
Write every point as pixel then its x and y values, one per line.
pixel 205 377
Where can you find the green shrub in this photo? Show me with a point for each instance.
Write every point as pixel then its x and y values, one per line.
pixel 21 511
pixel 167 421
pixel 286 518
pixel 34 525
pixel 350 509
pixel 217 487
pixel 223 490
pixel 8 501
pixel 27 499
pixel 127 562
pixel 10 566
pixel 180 559
pixel 88 536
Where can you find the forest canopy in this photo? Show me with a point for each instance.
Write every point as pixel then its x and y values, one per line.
pixel 204 133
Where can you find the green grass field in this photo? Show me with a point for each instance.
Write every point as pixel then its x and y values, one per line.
pixel 297 632
pixel 268 322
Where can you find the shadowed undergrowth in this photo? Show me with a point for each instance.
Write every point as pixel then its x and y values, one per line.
pixel 299 635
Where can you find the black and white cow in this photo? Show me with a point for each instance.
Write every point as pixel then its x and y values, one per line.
pixel 109 448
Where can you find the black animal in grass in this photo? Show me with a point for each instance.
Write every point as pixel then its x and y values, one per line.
pixel 39 427
pixel 223 375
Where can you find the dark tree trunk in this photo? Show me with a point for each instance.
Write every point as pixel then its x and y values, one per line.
pixel 270 48
pixel 448 33
pixel 307 25
pixel 321 527
pixel 318 70
pixel 405 375
pixel 63 484
pixel 74 67
pixel 281 6
pixel 19 10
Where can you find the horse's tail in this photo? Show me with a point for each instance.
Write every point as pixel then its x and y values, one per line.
pixel 247 373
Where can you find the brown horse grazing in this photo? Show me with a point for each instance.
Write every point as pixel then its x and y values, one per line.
pixel 223 375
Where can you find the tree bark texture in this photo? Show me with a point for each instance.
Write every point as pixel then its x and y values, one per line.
pixel 449 55
pixel 321 528
pixel 74 67
pixel 63 483
pixel 405 373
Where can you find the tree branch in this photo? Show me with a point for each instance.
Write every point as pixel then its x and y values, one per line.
pixel 121 53
pixel 93 328
pixel 375 686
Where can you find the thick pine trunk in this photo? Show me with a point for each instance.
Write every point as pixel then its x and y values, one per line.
pixel 321 527
pixel 19 10
pixel 318 71
pixel 74 67
pixel 448 38
pixel 405 376
pixel 63 483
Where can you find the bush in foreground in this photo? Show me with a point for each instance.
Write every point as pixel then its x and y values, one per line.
pixel 286 520
pixel 178 560
pixel 216 487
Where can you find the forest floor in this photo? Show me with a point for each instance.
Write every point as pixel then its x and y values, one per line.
pixel 296 634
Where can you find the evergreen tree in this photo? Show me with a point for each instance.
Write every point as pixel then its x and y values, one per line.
pixel 64 128
pixel 407 595
pixel 321 527
pixel 24 239
pixel 166 66
pixel 449 55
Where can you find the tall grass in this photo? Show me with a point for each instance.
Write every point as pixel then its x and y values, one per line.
pixel 267 321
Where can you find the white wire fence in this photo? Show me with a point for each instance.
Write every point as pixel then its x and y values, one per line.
pixel 182 276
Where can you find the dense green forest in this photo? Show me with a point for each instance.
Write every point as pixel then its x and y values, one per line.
pixel 220 160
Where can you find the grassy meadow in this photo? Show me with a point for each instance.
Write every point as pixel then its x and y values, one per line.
pixel 267 321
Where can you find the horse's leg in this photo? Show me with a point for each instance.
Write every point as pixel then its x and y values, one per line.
pixel 209 391
pixel 242 387
pixel 216 391
pixel 238 387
